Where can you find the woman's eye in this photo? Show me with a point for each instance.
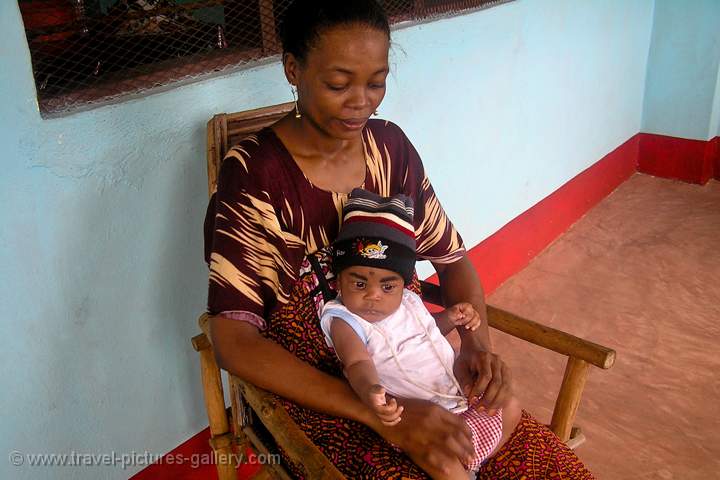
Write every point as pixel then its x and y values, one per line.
pixel 388 288
pixel 360 285
pixel 337 88
pixel 377 86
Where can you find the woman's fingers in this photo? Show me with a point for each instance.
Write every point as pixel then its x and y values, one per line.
pixel 499 391
pixel 494 385
pixel 482 366
pixel 460 443
pixel 435 438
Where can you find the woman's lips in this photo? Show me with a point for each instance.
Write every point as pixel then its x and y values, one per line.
pixel 354 123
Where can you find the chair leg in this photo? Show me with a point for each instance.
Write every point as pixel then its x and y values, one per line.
pixel 576 373
pixel 221 437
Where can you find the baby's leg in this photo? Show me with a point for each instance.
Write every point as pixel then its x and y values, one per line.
pixel 486 433
pixel 510 418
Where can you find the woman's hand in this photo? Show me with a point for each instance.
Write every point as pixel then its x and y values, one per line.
pixel 483 374
pixel 387 411
pixel 432 437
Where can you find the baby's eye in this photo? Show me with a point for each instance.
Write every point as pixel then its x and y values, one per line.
pixel 388 288
pixel 360 285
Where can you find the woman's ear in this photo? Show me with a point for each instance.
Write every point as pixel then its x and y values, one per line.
pixel 292 68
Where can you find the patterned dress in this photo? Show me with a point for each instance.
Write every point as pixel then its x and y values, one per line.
pixel 267 233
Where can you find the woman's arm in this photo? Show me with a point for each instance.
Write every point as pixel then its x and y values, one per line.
pixel 479 371
pixel 241 350
pixel 443 323
pixel 459 282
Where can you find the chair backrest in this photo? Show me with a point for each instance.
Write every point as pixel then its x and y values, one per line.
pixel 227 129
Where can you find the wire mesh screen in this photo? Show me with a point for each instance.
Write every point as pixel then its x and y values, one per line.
pixel 90 51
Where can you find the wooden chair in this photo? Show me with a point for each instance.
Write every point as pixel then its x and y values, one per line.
pixel 249 404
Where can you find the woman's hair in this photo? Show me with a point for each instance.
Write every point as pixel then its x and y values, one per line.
pixel 305 20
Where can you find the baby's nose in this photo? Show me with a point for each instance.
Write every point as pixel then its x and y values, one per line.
pixel 373 293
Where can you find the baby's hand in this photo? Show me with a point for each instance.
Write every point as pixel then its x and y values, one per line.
pixel 463 314
pixel 388 412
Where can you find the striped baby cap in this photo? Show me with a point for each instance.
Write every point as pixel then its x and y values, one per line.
pixel 376 232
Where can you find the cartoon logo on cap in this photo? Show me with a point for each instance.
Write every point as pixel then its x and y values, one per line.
pixel 375 251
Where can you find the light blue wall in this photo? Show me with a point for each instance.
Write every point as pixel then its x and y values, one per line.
pixel 101 272
pixel 680 95
pixel 715 116
pixel 508 104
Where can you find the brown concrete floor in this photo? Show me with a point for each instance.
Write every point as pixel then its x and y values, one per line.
pixel 639 273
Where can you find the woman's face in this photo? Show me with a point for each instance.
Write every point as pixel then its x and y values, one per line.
pixel 342 80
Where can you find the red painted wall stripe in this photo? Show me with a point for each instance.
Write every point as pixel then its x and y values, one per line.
pixel 678 158
pixel 713 151
pixel 192 460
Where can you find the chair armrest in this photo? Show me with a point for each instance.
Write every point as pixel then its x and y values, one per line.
pixel 550 338
pixel 202 341
pixel 535 333
pixel 286 433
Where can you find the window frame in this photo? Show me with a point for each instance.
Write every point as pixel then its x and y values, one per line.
pixel 167 75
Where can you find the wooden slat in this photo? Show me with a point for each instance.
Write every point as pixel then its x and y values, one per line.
pixel 216 153
pixel 225 130
pixel 212 386
pixel 212 154
pixel 270 470
pixel 577 438
pixel 204 324
pixel 550 338
pixel 217 417
pixel 267 25
pixel 576 373
pixel 295 443
pixel 200 342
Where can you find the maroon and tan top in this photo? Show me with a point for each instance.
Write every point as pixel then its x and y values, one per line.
pixel 266 216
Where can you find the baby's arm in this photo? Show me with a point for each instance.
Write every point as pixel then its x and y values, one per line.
pixel 360 371
pixel 460 314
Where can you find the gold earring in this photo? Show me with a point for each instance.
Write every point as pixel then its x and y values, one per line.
pixel 297 110
pixel 375 113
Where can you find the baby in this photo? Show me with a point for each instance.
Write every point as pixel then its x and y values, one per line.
pixel 384 336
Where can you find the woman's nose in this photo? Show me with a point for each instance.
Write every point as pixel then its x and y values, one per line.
pixel 358 99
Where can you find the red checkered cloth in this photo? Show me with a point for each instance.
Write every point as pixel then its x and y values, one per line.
pixel 486 433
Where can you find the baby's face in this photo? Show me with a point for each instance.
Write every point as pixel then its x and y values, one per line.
pixel 371 293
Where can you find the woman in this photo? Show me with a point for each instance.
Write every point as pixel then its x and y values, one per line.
pixel 277 208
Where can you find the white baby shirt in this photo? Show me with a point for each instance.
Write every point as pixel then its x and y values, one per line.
pixel 412 357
